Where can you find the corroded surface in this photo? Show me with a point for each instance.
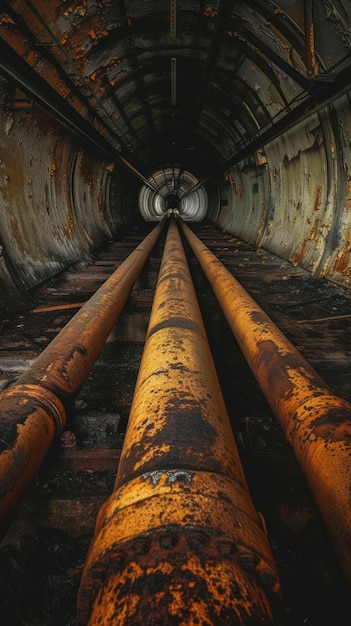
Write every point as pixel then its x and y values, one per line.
pixel 34 409
pixel 316 423
pixel 111 68
pixel 179 477
pixel 47 542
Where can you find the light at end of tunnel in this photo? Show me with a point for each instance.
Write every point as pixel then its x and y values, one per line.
pixel 172 184
pixel 172 201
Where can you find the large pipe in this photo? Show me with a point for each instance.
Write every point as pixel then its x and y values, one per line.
pixel 316 423
pixel 34 409
pixel 179 541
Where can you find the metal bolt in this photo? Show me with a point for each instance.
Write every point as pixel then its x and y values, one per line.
pixel 141 545
pixel 226 547
pixel 267 577
pixel 197 539
pixel 168 540
pixel 116 561
pixel 248 560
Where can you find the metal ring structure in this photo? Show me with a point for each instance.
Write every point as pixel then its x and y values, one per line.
pixel 316 423
pixel 171 182
pixel 179 541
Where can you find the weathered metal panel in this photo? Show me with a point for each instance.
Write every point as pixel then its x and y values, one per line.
pixel 305 209
pixel 299 188
pixel 43 227
pixel 336 262
pixel 244 201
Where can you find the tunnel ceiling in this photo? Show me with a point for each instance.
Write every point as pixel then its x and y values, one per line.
pixel 200 84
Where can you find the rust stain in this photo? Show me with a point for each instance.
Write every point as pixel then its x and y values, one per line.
pixel 333 425
pixel 348 199
pixel 17 234
pixel 190 575
pixel 316 229
pixel 342 263
pixel 87 169
pixel 299 256
pixel 69 228
pixel 209 11
pixel 278 366
pixel 317 201
pixel 188 435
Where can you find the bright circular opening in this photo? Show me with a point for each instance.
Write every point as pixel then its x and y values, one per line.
pixel 172 184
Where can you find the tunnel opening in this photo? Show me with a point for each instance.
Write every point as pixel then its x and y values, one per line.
pixel 172 202
pixel 254 123
pixel 173 185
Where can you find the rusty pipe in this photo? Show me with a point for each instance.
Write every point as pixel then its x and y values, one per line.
pixel 34 409
pixel 179 541
pixel 316 423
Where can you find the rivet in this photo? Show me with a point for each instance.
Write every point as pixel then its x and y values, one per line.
pixel 197 539
pixel 116 561
pixel 168 540
pixel 267 577
pixel 141 545
pixel 248 560
pixel 226 547
pixel 68 439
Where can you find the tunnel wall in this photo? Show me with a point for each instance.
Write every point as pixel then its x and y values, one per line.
pixel 294 200
pixel 57 200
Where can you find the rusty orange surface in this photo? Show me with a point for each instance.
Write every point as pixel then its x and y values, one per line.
pixel 179 539
pixel 316 423
pixel 33 410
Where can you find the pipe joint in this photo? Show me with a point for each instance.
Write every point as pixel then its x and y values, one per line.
pixel 176 521
pixel 325 417
pixel 25 401
pixel 31 416
pixel 191 572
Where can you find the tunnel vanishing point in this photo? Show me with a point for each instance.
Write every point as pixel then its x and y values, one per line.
pixel 176 115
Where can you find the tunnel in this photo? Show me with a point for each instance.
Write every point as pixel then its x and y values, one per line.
pixel 231 119
pixel 109 109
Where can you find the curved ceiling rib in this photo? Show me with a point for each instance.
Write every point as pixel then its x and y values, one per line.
pixel 73 80
pixel 116 58
pixel 13 67
pixel 240 72
pixel 320 97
